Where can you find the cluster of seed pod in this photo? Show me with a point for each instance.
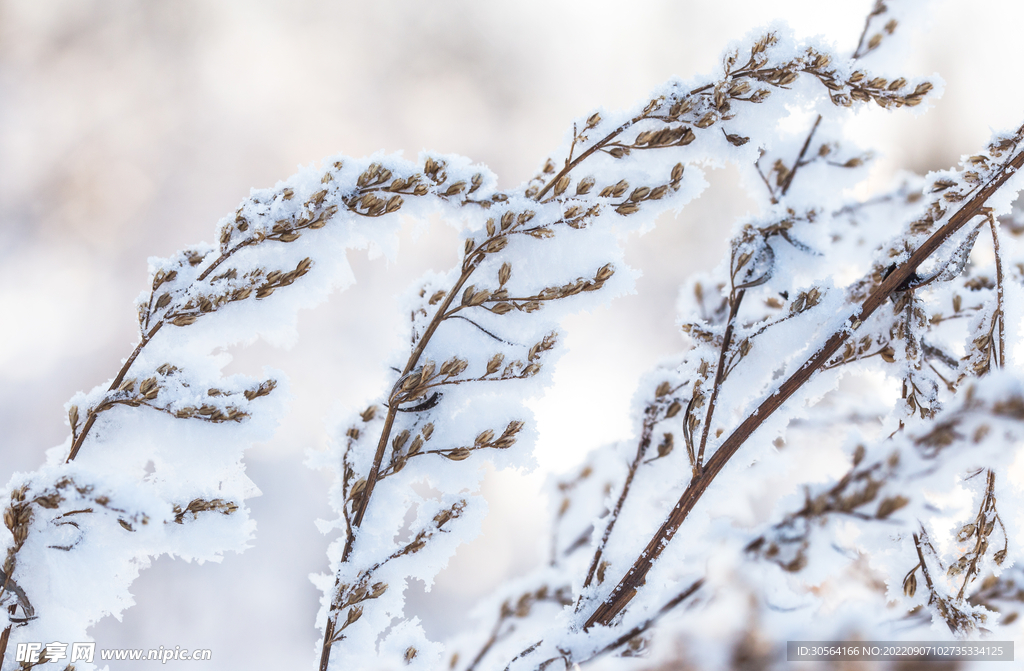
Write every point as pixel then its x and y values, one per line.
pixel 201 505
pixel 484 440
pixel 786 544
pixel 17 519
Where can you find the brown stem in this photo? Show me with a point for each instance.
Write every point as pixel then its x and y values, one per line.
pixel 224 257
pixel 879 9
pixel 77 444
pixel 417 352
pixel 6 635
pixel 647 624
pixel 374 475
pixel 325 652
pixel 1001 356
pixel 803 151
pixel 979 521
pixel 487 646
pixel 635 577
pixel 600 144
pixel 597 146
pixel 734 308
pixel 645 442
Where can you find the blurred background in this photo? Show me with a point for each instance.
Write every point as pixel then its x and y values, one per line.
pixel 127 129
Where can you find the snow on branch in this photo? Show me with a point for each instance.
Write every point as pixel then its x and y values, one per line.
pixel 646 541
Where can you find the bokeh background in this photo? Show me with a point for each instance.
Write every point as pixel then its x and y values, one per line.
pixel 128 128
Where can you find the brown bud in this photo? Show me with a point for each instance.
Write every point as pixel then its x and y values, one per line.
pixel 561 185
pixel 910 585
pixel 966 532
pixel 185 320
pixel 585 185
pixel 666 445
pixel 353 615
pixel 357 489
pixel 890 505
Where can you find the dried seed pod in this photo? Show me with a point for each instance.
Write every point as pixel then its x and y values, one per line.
pixel 890 505
pixel 354 614
pixel 458 454
pixel 357 489
pixel 561 185
pixel 966 532
pixel 585 185
pixel 666 445
pixel 910 585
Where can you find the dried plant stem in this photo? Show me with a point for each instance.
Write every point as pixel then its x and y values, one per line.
pixel 734 308
pixel 981 539
pixel 635 577
pixel 80 438
pixel 371 479
pixel 650 419
pixel 924 566
pixel 647 624
pixel 1001 353
pixel 374 475
pixel 6 635
pixel 603 142
pixel 597 146
pixel 879 8
pixel 799 159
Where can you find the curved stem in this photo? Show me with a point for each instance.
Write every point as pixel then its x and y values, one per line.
pixel 80 439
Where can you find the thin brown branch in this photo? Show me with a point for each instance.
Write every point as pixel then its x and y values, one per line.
pixel 374 475
pixel 597 146
pixel 1001 354
pixel 6 635
pixel 734 308
pixel 641 449
pixel 623 593
pixel 371 478
pixel 799 159
pixel 80 438
pixel 878 9
pixel 647 624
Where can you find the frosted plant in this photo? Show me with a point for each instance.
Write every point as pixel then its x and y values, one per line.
pixel 821 297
